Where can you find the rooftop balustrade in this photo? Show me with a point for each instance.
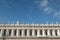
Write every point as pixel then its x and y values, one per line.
pixel 32 24
pixel 29 24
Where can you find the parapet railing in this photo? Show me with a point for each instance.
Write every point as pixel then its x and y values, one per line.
pixel 29 24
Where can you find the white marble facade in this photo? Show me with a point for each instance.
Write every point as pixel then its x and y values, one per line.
pixel 30 30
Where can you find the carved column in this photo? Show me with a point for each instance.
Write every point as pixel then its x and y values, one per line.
pixel 58 32
pixel 33 32
pixel 43 32
pixel 28 33
pixel 48 32
pixel 38 32
pixel 23 32
pixel 7 32
pixel 12 32
pixel 17 32
pixel 1 32
pixel 53 32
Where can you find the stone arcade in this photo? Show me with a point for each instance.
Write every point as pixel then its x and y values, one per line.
pixel 29 31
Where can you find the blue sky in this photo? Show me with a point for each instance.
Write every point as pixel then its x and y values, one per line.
pixel 29 11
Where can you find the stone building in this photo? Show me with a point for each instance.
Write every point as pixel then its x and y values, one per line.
pixel 29 31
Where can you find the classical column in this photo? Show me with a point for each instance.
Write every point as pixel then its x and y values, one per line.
pixel 58 32
pixel 33 32
pixel 28 32
pixel 53 32
pixel 48 32
pixel 38 32
pixel 43 32
pixel 22 32
pixel 1 32
pixel 12 32
pixel 17 32
pixel 7 32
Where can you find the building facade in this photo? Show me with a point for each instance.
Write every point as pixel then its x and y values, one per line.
pixel 29 31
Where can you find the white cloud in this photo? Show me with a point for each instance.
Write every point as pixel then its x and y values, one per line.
pixel 44 4
pixel 57 14
pixel 47 9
